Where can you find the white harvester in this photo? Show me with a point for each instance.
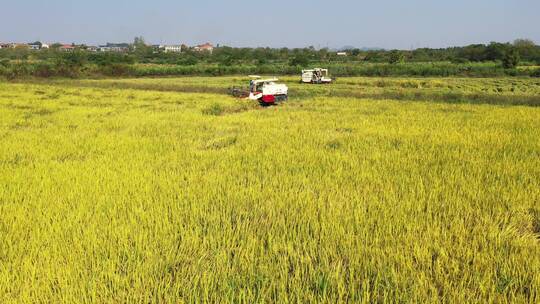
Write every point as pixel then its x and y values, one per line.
pixel 266 91
pixel 317 76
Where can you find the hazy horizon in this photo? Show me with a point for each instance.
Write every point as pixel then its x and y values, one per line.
pixel 386 24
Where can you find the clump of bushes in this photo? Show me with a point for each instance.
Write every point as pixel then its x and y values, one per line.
pixel 214 109
pixel 116 69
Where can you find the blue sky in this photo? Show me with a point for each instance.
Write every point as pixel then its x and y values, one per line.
pixel 334 23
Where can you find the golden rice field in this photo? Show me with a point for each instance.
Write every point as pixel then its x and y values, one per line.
pixel 369 190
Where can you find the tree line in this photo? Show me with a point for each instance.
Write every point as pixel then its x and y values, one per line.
pixel 52 62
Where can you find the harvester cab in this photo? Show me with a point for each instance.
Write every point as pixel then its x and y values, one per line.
pixel 317 76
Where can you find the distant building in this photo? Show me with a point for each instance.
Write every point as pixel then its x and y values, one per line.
pixel 4 45
pixel 342 53
pixel 115 47
pixel 171 48
pixel 34 46
pixel 66 48
pixel 37 45
pixel 92 48
pixel 207 47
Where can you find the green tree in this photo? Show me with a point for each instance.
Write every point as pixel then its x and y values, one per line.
pixel 140 49
pixel 69 64
pixel 396 57
pixel 511 59
pixel 189 60
pixel 4 62
pixel 262 61
pixel 473 52
pixel 226 60
pixel 496 51
pixel 299 60
pixel 526 48
pixel 139 42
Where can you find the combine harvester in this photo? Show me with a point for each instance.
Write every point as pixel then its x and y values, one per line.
pixel 316 76
pixel 265 91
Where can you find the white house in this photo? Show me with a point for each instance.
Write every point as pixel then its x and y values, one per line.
pixel 172 48
pixel 34 46
pixel 37 45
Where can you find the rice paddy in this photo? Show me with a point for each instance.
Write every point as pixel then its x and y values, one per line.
pixel 369 190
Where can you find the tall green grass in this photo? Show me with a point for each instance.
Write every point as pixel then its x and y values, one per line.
pixel 436 69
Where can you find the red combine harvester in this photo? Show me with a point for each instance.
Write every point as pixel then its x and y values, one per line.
pixel 265 91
